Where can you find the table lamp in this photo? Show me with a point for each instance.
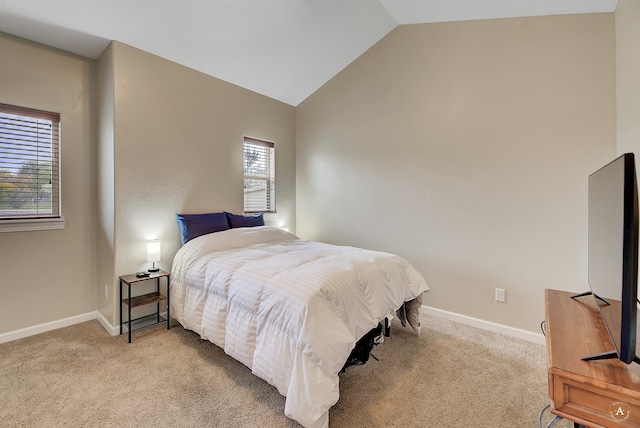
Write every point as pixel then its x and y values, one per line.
pixel 153 254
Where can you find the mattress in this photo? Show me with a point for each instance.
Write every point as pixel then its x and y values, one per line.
pixel 291 310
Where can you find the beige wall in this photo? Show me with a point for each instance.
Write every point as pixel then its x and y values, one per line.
pixel 49 275
pixel 105 175
pixel 465 147
pixel 627 18
pixel 177 147
pixel 462 146
pixel 142 139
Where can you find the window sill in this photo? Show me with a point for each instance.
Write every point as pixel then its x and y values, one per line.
pixel 27 225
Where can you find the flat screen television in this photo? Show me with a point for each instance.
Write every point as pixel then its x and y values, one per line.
pixel 613 253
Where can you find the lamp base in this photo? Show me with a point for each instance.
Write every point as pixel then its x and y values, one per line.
pixel 153 269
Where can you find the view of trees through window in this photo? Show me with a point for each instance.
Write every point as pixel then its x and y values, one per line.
pixel 28 163
pixel 259 176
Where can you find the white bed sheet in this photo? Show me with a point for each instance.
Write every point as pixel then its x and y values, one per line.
pixel 290 310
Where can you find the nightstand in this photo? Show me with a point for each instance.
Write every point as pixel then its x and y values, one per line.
pixel 144 299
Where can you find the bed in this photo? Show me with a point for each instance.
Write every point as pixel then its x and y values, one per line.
pixel 291 310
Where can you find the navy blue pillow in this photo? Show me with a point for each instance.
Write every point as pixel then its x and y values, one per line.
pixel 237 220
pixel 193 225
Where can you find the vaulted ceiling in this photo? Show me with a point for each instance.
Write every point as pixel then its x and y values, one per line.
pixel 284 49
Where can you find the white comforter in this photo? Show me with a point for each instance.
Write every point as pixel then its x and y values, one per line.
pixel 290 310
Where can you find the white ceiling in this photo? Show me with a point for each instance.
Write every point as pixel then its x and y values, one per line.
pixel 284 49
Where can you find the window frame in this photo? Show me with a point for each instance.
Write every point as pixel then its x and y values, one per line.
pixel 269 177
pixel 38 220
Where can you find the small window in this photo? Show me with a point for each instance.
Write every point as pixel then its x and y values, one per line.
pixel 259 176
pixel 29 164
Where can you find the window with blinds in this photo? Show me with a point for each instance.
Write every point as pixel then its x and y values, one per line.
pixel 29 163
pixel 259 176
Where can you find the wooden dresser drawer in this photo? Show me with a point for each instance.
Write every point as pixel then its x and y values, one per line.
pixel 596 406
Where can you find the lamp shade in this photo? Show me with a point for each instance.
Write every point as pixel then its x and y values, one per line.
pixel 153 251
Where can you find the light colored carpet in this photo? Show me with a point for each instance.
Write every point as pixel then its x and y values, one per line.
pixel 451 376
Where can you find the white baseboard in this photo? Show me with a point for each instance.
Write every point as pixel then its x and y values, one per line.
pixel 42 328
pixel 485 325
pixel 113 330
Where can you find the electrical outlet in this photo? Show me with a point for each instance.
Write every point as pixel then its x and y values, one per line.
pixel 106 291
pixel 501 295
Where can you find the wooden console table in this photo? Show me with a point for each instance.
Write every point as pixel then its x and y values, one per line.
pixel 602 393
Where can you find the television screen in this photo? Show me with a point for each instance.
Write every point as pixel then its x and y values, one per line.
pixel 613 252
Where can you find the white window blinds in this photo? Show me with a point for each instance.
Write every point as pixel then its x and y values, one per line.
pixel 29 163
pixel 259 176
